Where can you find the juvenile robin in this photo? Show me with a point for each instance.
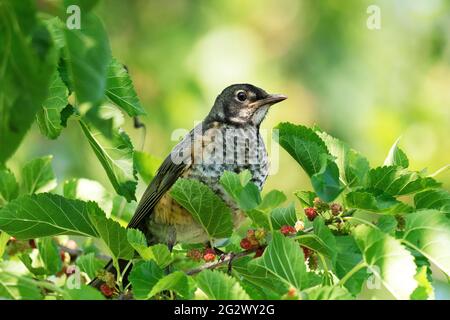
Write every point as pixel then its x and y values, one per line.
pixel 228 139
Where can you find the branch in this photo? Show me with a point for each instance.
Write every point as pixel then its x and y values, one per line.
pixel 227 258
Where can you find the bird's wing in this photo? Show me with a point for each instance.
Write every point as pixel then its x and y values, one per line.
pixel 167 175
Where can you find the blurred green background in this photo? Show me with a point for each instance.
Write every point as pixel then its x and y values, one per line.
pixel 367 87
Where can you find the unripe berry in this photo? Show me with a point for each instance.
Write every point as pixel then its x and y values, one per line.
pixel 106 290
pixel 246 244
pixel 250 233
pixel 288 230
pixel 310 213
pixel 260 234
pixel 336 208
pixel 194 254
pixel 320 205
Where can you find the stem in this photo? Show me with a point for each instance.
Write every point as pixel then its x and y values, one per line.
pixel 119 274
pixel 212 265
pixel 324 263
pixel 362 221
pixel 355 269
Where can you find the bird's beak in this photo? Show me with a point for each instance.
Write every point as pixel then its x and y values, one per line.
pixel 269 100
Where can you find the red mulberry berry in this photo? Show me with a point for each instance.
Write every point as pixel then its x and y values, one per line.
pixel 288 230
pixel 246 244
pixel 209 257
pixel 311 213
pixel 106 290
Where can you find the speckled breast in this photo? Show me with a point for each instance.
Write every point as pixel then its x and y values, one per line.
pixel 223 149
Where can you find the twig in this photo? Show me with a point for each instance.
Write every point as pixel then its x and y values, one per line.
pixel 227 259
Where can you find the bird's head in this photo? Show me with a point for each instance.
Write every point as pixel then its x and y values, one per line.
pixel 241 104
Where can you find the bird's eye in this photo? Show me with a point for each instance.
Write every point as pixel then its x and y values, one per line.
pixel 241 96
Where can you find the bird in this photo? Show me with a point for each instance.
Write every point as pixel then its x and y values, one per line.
pixel 228 139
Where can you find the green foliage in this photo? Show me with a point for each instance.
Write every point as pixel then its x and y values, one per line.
pixel 120 90
pixel 284 259
pixel 38 175
pixel 219 286
pixel 382 229
pixel 310 151
pixel 116 157
pixel 388 261
pixel 205 206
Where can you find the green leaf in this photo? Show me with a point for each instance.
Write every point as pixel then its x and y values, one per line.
pixel 353 167
pixel 4 238
pixel 438 199
pixel 18 287
pixel 88 190
pixel 241 189
pixel 424 289
pixel 146 165
pixel 205 206
pixel 322 241
pixel 88 57
pixel 283 216
pixel 348 257
pixel 176 281
pixel 159 252
pixel 83 293
pixel 396 157
pixel 304 145
pixel 258 278
pixel 325 235
pixel 49 253
pixel 283 258
pixel 219 286
pixel 28 263
pixel 387 224
pixel 326 182
pixel 49 116
pixel 306 198
pixel 428 231
pixel 116 157
pixel 89 264
pixel 114 236
pixel 43 215
pixel 328 293
pixel 143 277
pixel 119 88
pixel 259 218
pixel 106 119
pixel 272 200
pixel 28 61
pixel 396 181
pixel 38 176
pixel 388 260
pixel 381 203
pixel 9 188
